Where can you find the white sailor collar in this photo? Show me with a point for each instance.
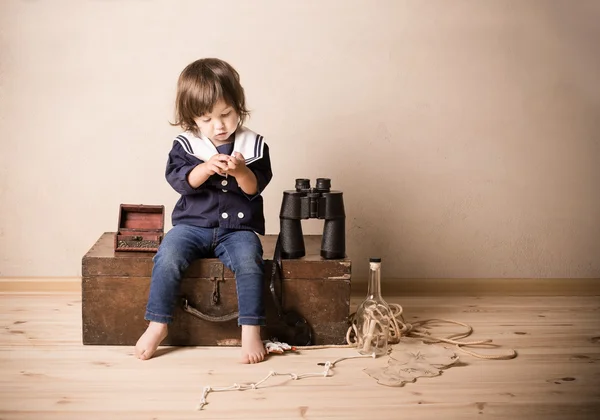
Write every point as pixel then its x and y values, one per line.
pixel 246 141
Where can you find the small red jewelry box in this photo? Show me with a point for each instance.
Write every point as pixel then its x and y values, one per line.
pixel 141 228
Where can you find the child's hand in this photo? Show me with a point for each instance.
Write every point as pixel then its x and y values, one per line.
pixel 236 167
pixel 236 164
pixel 217 164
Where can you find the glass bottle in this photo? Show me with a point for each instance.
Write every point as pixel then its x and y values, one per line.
pixel 373 316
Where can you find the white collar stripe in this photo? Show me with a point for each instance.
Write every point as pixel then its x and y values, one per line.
pixel 256 143
pixel 246 142
pixel 185 143
pixel 258 149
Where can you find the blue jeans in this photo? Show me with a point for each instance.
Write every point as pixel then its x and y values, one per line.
pixel 239 250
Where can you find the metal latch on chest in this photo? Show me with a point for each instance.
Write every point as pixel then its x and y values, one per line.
pixel 217 277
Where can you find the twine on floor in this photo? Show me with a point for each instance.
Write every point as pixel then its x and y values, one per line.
pixel 293 376
pixel 419 329
pixel 398 328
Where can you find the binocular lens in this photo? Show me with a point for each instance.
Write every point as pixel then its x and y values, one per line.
pixel 323 184
pixel 302 184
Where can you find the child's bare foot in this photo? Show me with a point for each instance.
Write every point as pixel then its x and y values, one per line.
pixel 253 349
pixel 150 340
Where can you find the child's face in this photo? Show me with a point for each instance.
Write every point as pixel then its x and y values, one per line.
pixel 219 124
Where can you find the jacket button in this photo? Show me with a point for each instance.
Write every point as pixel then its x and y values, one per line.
pixel 224 182
pixel 241 215
pixel 224 215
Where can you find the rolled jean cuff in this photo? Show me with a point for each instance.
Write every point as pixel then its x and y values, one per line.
pixel 252 320
pixel 163 319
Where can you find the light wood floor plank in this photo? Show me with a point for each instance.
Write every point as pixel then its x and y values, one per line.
pixel 46 373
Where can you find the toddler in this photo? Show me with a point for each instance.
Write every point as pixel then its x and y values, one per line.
pixel 220 168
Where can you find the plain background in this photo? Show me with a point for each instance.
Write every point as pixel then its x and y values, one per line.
pixel 464 134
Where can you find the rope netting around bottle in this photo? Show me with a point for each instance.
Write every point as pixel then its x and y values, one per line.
pixel 398 328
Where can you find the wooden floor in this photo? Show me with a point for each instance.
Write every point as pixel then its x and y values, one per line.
pixel 46 373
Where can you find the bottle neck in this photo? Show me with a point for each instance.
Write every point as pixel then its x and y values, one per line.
pixel 374 290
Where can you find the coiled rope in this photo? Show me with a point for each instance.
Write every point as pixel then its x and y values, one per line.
pixel 399 328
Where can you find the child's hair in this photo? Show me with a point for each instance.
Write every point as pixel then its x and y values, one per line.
pixel 201 84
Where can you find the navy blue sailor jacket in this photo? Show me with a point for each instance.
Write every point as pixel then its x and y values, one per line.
pixel 219 201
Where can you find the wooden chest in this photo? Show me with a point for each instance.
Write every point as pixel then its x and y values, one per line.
pixel 115 288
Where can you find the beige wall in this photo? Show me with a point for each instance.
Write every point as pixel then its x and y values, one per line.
pixel 464 134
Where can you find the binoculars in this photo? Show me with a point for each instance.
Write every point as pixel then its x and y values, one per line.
pixel 312 203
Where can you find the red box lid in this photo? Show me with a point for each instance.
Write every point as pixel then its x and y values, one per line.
pixel 141 217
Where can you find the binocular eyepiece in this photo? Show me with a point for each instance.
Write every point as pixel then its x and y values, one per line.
pixel 303 185
pixel 319 202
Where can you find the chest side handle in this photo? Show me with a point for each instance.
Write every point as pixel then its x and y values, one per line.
pixel 198 314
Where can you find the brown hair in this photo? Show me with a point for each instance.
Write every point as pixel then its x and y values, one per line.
pixel 201 84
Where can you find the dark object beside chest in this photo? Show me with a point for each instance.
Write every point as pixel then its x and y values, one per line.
pixel 115 288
